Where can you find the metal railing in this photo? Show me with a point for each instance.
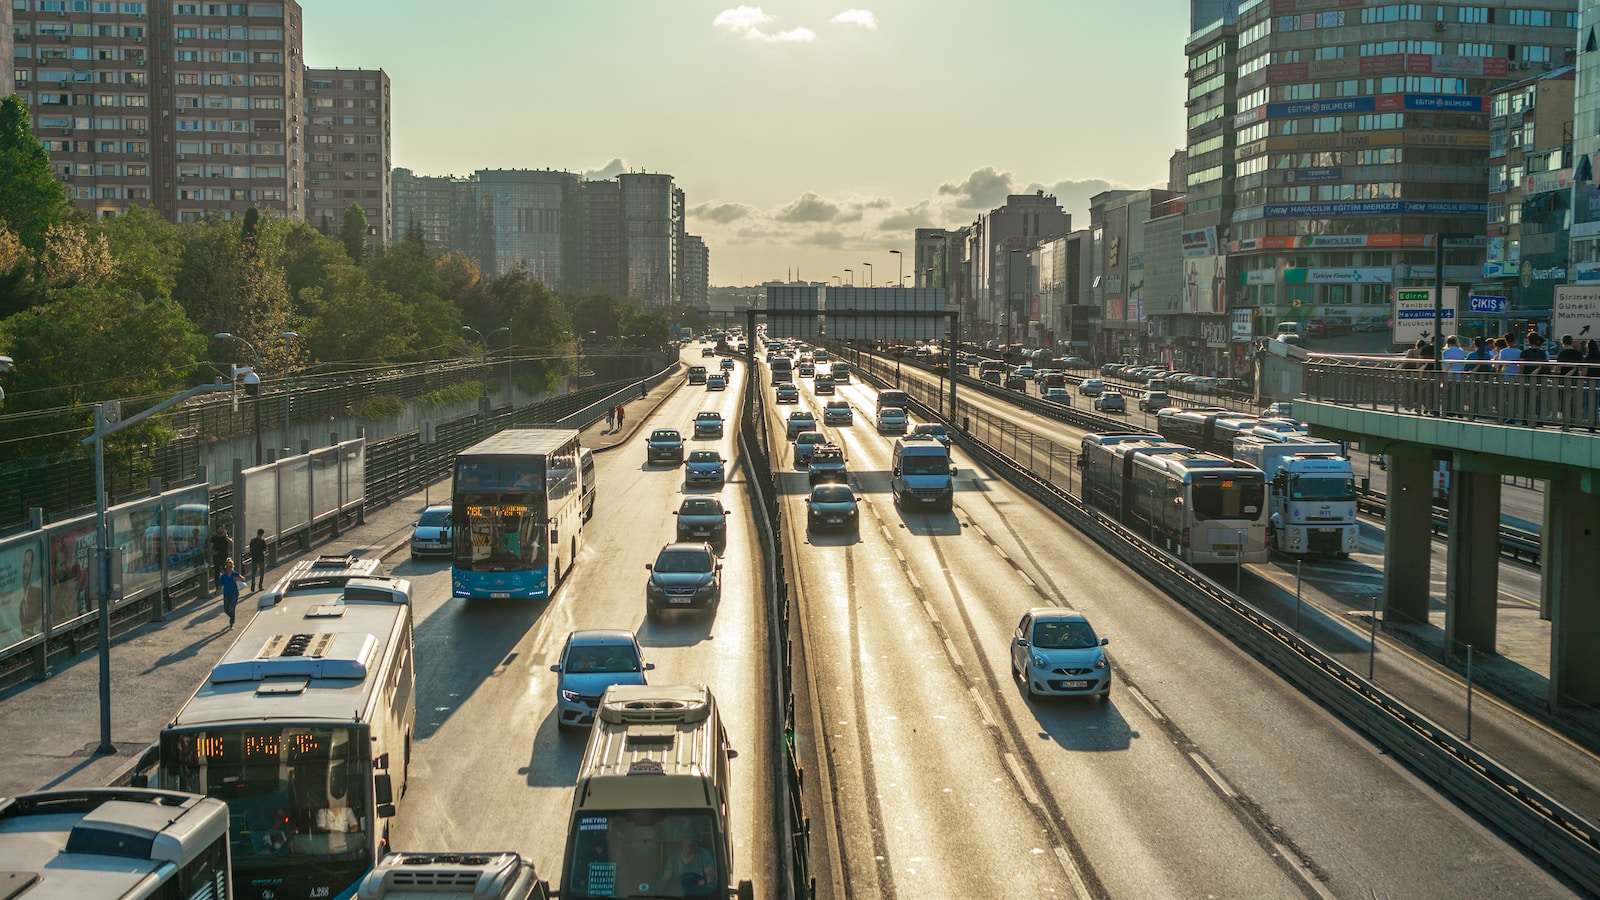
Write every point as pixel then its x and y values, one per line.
pixel 1488 391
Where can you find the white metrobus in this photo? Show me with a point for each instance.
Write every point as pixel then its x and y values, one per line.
pixel 113 842
pixel 304 729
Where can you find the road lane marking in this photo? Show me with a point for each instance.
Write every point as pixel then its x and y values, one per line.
pixel 1028 793
pixel 1139 697
pixel 983 708
pixel 1071 869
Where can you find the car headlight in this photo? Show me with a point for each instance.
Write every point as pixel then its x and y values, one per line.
pixel 569 696
pixel 1100 663
pixel 654 588
pixel 1039 663
pixel 706 588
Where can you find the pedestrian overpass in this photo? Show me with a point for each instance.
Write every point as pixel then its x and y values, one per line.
pixel 1481 425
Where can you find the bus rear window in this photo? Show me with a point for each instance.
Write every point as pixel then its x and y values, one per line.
pixel 1213 501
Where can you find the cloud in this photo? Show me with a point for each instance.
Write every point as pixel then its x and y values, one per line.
pixel 747 21
pixel 610 170
pixel 914 216
pixel 831 238
pixel 983 189
pixel 861 17
pixel 723 213
pixel 742 18
pixel 809 208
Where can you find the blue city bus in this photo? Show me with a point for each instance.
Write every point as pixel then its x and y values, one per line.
pixel 517 500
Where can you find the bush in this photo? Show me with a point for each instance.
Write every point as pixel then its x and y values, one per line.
pixel 380 407
pixel 455 393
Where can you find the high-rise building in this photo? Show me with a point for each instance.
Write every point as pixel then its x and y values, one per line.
pixel 425 201
pixel 535 221
pixel 1192 319
pixel 998 244
pixel 347 118
pixel 8 45
pixel 1585 258
pixel 1361 134
pixel 696 269
pixel 188 108
pixel 604 267
pixel 652 223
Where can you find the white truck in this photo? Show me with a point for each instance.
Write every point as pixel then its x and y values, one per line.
pixel 1311 492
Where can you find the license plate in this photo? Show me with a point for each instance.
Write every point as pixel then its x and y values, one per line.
pixel 930 500
pixel 702 533
pixel 679 599
pixel 500 595
pixel 1327 530
pixel 1225 548
pixel 835 520
pixel 1074 685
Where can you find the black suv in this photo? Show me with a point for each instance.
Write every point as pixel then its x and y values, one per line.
pixel 664 445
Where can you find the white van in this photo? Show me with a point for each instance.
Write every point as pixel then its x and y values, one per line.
pixel 922 474
pixel 650 810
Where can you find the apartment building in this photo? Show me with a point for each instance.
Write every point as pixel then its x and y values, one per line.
pixel 696 269
pixel 604 269
pixel 1360 134
pixel 190 109
pixel 534 218
pixel 348 151
pixel 425 201
pixel 1585 253
pixel 998 275
pixel 652 223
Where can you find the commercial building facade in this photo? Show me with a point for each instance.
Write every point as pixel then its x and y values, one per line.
pixel 998 303
pixel 1585 244
pixel 348 150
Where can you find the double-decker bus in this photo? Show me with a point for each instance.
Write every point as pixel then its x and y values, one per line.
pixel 113 842
pixel 304 729
pixel 1200 507
pixel 518 513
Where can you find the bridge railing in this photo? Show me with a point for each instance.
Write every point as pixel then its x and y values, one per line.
pixel 1562 395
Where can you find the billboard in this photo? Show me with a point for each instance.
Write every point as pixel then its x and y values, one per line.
pixel 1576 311
pixel 791 311
pixel 1202 242
pixel 21 590
pixel 1413 314
pixel 1203 288
pixel 885 314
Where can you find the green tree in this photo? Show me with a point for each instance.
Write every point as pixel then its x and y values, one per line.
pixel 311 259
pixel 405 270
pixel 208 275
pixel 353 231
pixel 350 320
pixel 414 235
pixel 31 199
pixel 148 250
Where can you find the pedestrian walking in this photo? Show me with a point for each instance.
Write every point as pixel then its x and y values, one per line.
pixel 221 549
pixel 258 559
pixel 611 418
pixel 1454 360
pixel 229 581
pixel 619 416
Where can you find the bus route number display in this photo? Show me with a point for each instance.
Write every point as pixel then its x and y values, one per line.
pixel 497 511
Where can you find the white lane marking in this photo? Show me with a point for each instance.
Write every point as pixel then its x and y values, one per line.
pixel 1031 583
pixel 1071 868
pixel 912 577
pixel 955 658
pixel 983 708
pixel 1028 793
pixel 931 614
pixel 1144 701
pixel 1211 773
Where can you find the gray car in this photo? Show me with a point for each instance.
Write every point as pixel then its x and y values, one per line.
pixel 702 519
pixel 705 467
pixel 664 445
pixel 1056 653
pixel 590 662
pixel 833 506
pixel 684 576
pixel 799 421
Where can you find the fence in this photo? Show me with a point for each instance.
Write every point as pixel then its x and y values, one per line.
pixel 1481 389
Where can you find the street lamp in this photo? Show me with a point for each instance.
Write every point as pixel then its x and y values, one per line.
pixel 507 330
pixel 252 382
pixel 838 279
pixel 468 329
pixel 902 258
pixel 288 392
pixel 869 273
pixel 852 274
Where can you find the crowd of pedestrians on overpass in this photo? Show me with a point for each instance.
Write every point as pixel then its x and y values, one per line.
pixel 1502 358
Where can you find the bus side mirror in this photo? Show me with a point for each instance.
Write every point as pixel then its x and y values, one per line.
pixel 383 793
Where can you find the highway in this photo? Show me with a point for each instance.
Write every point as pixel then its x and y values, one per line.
pixel 492 770
pixel 930 773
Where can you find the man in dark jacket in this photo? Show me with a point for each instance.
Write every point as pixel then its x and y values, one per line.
pixel 1570 353
pixel 221 549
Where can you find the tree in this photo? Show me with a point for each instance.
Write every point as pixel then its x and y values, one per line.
pixel 353 231
pixel 351 320
pixel 31 199
pixel 148 250
pixel 414 235
pixel 75 255
pixel 208 275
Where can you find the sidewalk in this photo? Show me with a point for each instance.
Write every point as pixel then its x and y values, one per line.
pixel 50 730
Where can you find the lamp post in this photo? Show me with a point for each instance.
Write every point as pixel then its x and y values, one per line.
pixel 852 274
pixel 468 329
pixel 288 392
pixel 1438 290
pixel 252 382
pixel 838 279
pixel 507 330
pixel 901 257
pixel 869 273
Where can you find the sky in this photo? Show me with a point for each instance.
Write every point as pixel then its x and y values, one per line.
pixel 808 136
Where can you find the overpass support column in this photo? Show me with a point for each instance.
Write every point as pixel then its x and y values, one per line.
pixel 1571 573
pixel 1408 540
pixel 1472 587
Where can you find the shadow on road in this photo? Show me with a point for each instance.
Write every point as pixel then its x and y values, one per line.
pixel 459 646
pixel 1081 723
pixel 555 756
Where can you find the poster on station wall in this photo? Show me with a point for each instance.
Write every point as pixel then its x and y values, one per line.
pixel 21 590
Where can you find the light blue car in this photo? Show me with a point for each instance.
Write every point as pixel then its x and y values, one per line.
pixel 590 662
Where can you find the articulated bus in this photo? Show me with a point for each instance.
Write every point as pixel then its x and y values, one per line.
pixel 1200 507
pixel 1211 430
pixel 304 729
pixel 113 842
pixel 518 514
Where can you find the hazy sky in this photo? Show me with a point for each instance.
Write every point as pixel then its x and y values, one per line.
pixel 805 134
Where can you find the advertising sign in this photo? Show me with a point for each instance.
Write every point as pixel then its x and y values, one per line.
pixel 21 590
pixel 1200 243
pixel 1301 176
pixel 1241 325
pixel 1203 287
pixel 1376 208
pixel 72 571
pixel 1413 314
pixel 1576 311
pixel 1543 182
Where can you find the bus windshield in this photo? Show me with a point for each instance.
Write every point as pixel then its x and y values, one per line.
pixel 499 516
pixel 292 792
pixel 652 853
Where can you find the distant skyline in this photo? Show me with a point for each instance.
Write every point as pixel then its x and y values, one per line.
pixel 806 136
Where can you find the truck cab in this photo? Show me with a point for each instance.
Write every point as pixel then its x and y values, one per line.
pixel 1311 494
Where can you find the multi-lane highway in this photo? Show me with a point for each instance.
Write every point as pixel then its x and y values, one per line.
pixel 492 769
pixel 1204 774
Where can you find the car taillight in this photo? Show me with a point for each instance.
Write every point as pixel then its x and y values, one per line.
pixel 1186 537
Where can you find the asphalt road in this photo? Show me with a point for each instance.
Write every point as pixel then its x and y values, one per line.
pixel 492 770
pixel 1203 775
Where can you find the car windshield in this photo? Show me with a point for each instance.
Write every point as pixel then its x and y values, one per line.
pixel 935 430
pixel 584 659
pixel 838 404
pixel 704 456
pixel 809 437
pixel 644 853
pixel 666 436
pixel 831 494
pixel 893 412
pixel 826 456
pixel 700 507
pixel 1323 487
pixel 435 518
pixel 925 465
pixel 683 561
pixel 1063 635
pixel 709 417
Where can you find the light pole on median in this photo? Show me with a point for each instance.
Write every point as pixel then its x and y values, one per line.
pixel 507 330
pixel 468 329
pixel 252 382
pixel 869 273
pixel 852 274
pixel 288 393
pixel 902 259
